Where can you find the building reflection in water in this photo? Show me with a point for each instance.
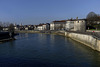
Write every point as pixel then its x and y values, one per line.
pixel 44 47
pixel 52 39
pixel 47 38
pixel 26 34
pixel 42 38
pixel 12 44
pixel 22 35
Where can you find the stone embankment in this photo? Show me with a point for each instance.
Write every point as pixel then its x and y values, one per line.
pixel 88 40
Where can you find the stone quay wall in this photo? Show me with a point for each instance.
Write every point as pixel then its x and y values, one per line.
pixel 87 40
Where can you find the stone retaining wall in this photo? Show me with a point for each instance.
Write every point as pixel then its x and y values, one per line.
pixel 87 40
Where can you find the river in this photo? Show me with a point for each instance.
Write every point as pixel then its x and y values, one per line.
pixel 44 50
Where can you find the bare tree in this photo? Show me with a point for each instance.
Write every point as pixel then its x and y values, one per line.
pixel 91 15
pixel 11 28
pixel 1 28
pixel 92 18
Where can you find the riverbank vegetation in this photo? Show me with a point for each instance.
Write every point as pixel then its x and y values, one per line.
pixel 8 34
pixel 93 21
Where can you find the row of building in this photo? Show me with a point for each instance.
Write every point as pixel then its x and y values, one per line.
pixel 70 25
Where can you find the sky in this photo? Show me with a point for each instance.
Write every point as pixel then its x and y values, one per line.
pixel 45 11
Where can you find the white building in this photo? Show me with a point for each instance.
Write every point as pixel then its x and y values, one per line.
pixel 58 25
pixel 44 27
pixel 39 27
pixel 62 25
pixel 80 25
pixel 15 28
pixel 5 28
pixel 69 25
pixel 26 28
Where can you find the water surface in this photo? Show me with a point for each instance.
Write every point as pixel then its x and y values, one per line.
pixel 44 50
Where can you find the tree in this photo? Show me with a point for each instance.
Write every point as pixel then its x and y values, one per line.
pixel 1 28
pixel 91 18
pixel 11 28
pixel 91 15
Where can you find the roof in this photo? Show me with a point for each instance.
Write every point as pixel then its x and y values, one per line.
pixel 41 24
pixel 75 19
pixel 60 21
pixel 67 20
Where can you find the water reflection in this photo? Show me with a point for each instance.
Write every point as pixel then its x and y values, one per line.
pixel 23 35
pixel 12 44
pixel 85 54
pixel 52 39
pixel 43 50
pixel 42 37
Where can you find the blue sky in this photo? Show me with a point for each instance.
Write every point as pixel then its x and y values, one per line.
pixel 44 11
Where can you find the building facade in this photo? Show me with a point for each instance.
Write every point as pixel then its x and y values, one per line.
pixel 39 27
pixel 69 25
pixel 80 25
pixel 43 26
pixel 58 25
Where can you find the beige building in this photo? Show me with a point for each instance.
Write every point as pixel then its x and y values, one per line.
pixel 43 26
pixel 80 25
pixel 58 25
pixel 5 28
pixel 39 27
pixel 69 25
